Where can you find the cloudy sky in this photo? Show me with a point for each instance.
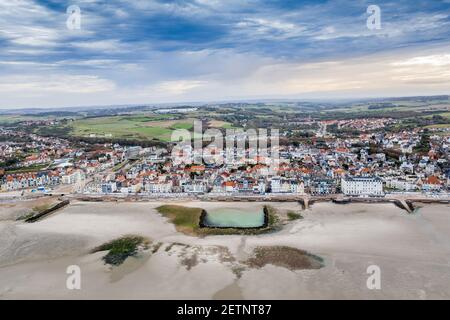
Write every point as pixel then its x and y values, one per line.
pixel 152 51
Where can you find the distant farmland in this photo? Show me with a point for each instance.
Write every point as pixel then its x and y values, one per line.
pixel 136 127
pixel 130 127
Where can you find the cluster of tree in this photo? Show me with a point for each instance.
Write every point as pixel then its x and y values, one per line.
pixel 54 114
pixel 10 162
pixel 343 132
pixel 377 114
pixel 378 106
pixel 122 142
pixel 424 144
pixel 16 139
pixel 301 134
pixel 391 154
pixel 54 131
pixel 425 121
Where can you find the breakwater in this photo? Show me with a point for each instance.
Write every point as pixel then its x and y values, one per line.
pixel 48 211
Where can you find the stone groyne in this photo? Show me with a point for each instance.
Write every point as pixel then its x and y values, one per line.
pixel 47 212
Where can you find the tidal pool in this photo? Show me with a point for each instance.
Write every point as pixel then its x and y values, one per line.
pixel 234 218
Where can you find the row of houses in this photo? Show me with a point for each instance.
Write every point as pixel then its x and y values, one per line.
pixel 21 181
pixel 348 185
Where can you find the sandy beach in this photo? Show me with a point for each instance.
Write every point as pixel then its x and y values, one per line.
pixel 412 251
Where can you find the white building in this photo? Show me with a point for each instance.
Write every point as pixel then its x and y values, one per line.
pixel 362 186
pixel 159 187
pixel 194 187
pixel 402 184
pixel 282 185
pixel 73 177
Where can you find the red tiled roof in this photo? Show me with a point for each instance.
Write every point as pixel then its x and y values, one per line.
pixel 433 180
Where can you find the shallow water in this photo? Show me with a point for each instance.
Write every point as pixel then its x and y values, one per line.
pixel 235 217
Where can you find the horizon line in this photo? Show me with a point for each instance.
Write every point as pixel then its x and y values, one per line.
pixel 243 100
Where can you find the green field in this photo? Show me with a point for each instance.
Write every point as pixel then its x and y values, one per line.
pixel 397 105
pixel 8 119
pixel 145 127
pixel 438 126
pixel 33 168
pixel 220 124
pixel 158 127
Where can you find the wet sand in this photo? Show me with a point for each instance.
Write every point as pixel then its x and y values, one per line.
pixel 413 252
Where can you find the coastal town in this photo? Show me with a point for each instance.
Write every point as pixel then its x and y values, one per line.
pixel 224 159
pixel 371 164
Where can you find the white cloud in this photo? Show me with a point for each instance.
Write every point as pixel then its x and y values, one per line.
pixel 175 87
pixel 110 45
pixel 27 64
pixel 18 17
pixel 268 28
pixel 54 84
pixel 438 60
pixel 31 36
pixel 377 75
